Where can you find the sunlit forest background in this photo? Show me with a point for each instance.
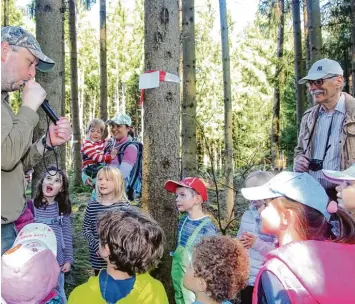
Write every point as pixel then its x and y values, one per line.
pixel 268 53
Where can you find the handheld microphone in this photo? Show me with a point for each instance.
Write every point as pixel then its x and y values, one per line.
pixel 49 111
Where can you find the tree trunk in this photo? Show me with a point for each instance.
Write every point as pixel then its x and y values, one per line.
pixel 307 62
pixel 49 24
pixel 347 69
pixel 162 108
pixel 188 119
pixel 275 130
pixel 228 114
pixel 6 12
pixel 299 72
pixel 74 94
pixel 314 29
pixel 353 46
pixel 103 62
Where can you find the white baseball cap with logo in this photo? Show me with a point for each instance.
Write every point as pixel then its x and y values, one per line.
pixel 29 270
pixel 300 187
pixel 322 69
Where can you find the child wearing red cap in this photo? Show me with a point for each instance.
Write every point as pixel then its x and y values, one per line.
pixel 191 193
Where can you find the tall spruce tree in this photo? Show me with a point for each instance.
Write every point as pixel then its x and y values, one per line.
pixel 188 115
pixel 161 123
pixel 49 24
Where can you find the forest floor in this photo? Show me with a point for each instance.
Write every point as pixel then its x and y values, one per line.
pixel 81 269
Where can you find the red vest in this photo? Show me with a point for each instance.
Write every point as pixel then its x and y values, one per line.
pixel 316 272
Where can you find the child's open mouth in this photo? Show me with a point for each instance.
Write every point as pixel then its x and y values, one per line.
pixel 49 188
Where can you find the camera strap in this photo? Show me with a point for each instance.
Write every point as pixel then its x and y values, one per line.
pixel 328 136
pixel 312 132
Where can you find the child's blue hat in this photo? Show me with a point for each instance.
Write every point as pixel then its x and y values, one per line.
pixel 300 187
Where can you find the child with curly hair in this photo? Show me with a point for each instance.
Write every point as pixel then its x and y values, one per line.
pixel 132 244
pixel 218 270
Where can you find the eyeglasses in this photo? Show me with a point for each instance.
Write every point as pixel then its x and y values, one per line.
pixel 318 82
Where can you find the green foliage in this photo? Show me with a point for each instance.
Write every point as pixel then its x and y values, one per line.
pixel 15 16
pixel 336 31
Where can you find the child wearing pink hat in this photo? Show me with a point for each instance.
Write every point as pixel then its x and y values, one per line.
pixel 191 193
pixel 29 270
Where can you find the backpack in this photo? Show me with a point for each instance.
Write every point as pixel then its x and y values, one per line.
pixel 134 185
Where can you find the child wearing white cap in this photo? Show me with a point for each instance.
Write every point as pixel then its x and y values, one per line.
pixel 303 269
pixel 346 188
pixel 29 270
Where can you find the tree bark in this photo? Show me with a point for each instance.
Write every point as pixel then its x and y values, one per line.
pixel 74 94
pixel 50 35
pixel 161 124
pixel 6 12
pixel 299 72
pixel 188 119
pixel 228 114
pixel 103 62
pixel 314 29
pixel 353 46
pixel 307 60
pixel 275 129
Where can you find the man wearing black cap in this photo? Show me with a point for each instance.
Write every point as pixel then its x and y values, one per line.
pixel 21 55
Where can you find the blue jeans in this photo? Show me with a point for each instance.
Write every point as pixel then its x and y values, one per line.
pixel 8 236
pixel 60 287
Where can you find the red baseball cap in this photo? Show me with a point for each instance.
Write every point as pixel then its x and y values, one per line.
pixel 188 182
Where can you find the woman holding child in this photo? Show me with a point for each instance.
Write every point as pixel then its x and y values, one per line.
pixel 120 151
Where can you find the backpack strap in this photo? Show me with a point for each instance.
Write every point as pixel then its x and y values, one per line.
pixel 30 205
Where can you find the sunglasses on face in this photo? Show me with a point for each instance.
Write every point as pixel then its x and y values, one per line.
pixel 318 82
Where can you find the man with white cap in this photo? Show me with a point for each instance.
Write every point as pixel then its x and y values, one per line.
pixel 21 55
pixel 327 134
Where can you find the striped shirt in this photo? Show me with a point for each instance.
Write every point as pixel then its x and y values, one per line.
pixel 332 159
pixel 189 227
pixel 93 153
pixel 90 232
pixel 62 232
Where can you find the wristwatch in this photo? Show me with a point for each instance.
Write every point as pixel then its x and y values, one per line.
pixel 46 147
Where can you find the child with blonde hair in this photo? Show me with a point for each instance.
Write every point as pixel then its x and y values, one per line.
pixel 110 195
pixel 92 149
pixel 250 235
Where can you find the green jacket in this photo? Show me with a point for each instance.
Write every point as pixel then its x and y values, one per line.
pixel 146 290
pixel 17 154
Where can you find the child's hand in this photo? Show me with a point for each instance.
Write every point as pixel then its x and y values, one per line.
pixel 248 239
pixel 114 153
pixel 66 267
pixel 89 182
